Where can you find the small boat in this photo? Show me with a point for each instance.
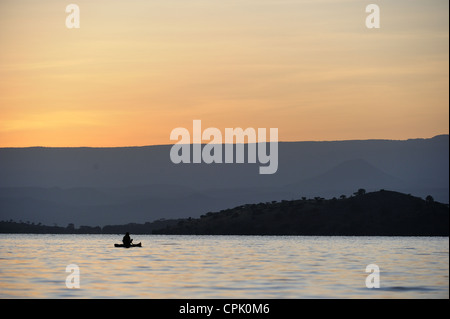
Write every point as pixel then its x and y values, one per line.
pixel 132 245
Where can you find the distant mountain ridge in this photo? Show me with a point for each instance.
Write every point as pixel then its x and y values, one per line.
pixel 100 186
pixel 346 175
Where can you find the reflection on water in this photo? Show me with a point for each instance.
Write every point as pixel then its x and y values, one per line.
pixel 33 266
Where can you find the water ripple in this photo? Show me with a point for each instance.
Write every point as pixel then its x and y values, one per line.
pixel 34 266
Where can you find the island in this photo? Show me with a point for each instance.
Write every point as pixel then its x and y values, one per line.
pixel 380 213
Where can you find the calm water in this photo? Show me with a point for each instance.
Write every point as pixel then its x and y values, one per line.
pixel 34 266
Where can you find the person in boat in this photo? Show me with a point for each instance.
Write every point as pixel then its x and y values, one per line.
pixel 127 240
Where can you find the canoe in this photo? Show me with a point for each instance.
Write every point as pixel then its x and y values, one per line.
pixel 132 245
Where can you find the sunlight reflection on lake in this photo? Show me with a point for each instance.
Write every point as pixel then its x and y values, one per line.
pixel 34 266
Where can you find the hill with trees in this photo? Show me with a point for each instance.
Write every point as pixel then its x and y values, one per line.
pixel 382 213
pixel 119 185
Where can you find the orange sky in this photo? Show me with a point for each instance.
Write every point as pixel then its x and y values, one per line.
pixel 135 70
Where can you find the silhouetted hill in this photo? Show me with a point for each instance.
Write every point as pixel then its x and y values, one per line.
pixel 382 213
pixel 105 186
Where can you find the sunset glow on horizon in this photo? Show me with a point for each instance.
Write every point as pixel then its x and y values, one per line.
pixel 135 70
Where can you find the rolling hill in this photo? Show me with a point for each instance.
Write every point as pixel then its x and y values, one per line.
pixel 100 186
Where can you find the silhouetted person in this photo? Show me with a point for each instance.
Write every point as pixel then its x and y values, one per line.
pixel 127 240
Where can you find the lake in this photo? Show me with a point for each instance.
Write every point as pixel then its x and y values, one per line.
pixel 269 267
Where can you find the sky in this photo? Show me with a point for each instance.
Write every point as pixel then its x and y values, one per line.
pixel 135 70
